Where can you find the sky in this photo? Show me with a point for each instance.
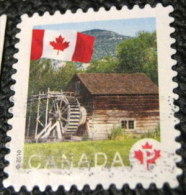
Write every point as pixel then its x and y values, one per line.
pixel 127 27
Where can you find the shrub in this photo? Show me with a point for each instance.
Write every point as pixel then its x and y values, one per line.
pixel 154 135
pixel 115 132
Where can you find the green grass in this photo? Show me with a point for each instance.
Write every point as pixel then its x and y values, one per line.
pixel 50 154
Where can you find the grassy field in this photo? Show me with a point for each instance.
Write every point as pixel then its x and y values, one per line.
pixel 50 154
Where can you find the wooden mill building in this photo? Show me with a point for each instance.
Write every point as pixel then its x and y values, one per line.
pixel 129 101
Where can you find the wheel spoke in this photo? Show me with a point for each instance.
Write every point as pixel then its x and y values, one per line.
pixel 60 104
pixel 64 119
pixel 57 107
pixel 59 112
pixel 64 110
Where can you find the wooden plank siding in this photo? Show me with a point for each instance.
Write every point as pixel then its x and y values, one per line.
pixel 109 111
pixel 126 102
pixel 101 125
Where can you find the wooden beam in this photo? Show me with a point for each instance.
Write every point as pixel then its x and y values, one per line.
pixel 37 118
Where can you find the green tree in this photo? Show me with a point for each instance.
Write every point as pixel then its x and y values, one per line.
pixel 65 74
pixel 106 65
pixel 39 70
pixel 44 75
pixel 139 55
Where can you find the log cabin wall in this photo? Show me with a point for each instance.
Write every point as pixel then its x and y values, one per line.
pixel 110 111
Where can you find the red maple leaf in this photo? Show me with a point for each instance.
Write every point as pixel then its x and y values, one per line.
pixel 139 155
pixel 153 159
pixel 59 44
pixel 147 146
pixel 152 156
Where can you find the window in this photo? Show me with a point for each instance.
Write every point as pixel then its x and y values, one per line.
pixel 128 124
pixel 131 124
pixel 124 124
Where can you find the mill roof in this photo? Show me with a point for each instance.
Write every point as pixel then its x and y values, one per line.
pixel 117 83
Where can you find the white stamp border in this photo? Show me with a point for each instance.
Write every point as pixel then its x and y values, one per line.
pixel 18 178
pixel 3 19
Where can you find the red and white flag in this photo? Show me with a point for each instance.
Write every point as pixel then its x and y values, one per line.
pixel 62 45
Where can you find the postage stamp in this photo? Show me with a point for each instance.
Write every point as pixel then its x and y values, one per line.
pixel 2 35
pixel 93 100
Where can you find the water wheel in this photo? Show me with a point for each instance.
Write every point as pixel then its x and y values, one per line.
pixel 67 112
pixel 58 116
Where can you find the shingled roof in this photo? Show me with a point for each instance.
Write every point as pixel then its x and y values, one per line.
pixel 117 83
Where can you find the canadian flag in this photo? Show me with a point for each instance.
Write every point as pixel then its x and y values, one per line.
pixel 62 45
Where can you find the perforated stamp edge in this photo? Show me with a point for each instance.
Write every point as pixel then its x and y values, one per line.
pixel 79 178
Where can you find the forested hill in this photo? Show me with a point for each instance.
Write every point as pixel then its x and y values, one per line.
pixel 106 42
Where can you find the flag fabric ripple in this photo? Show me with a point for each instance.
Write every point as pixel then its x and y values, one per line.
pixel 62 45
